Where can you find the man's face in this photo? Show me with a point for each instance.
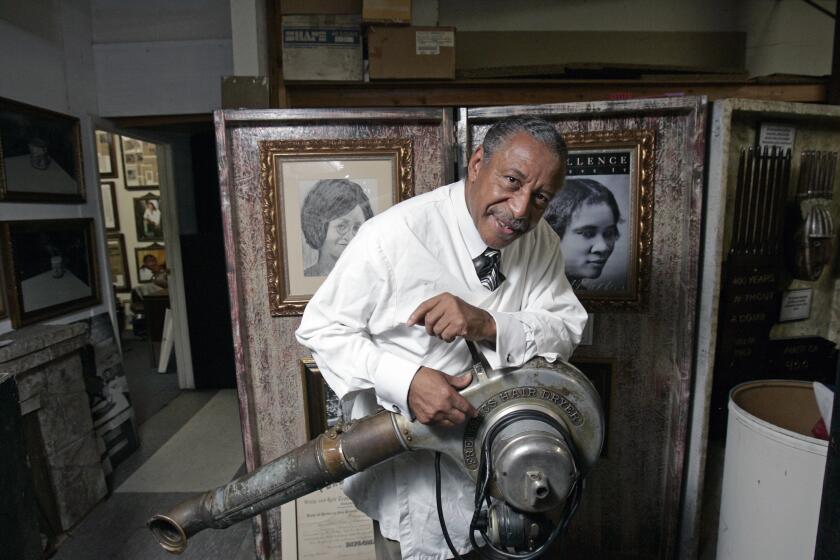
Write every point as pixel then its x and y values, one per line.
pixel 508 194
pixel 150 261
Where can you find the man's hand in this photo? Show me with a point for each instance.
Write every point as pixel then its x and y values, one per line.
pixel 434 399
pixel 447 317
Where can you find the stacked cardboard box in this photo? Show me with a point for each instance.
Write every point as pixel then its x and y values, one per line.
pixel 323 41
pixel 396 53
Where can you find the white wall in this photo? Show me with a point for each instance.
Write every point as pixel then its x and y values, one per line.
pixel 161 57
pixel 46 60
pixel 783 36
pixel 787 37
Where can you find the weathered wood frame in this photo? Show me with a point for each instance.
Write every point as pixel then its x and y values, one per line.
pixel 267 355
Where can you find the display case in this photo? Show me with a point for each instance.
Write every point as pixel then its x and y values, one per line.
pixel 769 298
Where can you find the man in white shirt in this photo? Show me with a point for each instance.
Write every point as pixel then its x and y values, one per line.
pixel 468 261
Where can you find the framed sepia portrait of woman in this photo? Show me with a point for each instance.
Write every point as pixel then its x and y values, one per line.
pixel 604 217
pixel 316 195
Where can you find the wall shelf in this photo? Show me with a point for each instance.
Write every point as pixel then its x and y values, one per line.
pixel 470 93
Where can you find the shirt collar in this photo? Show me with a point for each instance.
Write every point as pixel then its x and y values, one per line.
pixel 472 239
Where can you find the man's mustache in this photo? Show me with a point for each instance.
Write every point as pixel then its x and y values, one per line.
pixel 518 225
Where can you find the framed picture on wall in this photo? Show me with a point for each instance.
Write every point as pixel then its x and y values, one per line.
pixel 50 268
pixel 147 217
pixel 604 217
pixel 322 406
pixel 140 164
pixel 110 211
pixel 106 155
pixel 118 262
pixel 4 309
pixel 40 155
pixel 316 194
pixel 149 261
pixel 600 373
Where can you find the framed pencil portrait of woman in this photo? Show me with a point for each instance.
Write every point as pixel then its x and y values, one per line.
pixel 604 217
pixel 316 194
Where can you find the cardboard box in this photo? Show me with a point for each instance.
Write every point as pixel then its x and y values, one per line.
pixel 319 47
pixel 387 11
pixel 322 7
pixel 400 53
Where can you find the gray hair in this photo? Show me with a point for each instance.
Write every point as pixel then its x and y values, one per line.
pixel 539 129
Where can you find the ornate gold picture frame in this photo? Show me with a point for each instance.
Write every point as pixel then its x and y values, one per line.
pixel 315 195
pixel 604 217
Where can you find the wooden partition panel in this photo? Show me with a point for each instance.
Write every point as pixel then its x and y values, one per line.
pixel 631 506
pixel 267 355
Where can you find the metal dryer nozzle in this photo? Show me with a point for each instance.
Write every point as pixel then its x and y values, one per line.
pixel 329 458
pixel 544 454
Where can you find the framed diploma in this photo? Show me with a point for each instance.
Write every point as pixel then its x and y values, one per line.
pixel 324 524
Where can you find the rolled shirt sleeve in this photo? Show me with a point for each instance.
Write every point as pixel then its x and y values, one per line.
pixel 551 321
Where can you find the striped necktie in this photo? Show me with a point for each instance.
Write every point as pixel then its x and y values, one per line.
pixel 487 268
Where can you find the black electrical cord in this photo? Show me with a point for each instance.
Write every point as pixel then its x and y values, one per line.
pixel 440 509
pixel 485 473
pixel 482 495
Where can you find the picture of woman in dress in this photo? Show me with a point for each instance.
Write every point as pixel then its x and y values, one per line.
pixel 332 213
pixel 586 216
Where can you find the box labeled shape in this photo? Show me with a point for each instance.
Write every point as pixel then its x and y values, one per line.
pixel 400 53
pixel 319 47
pixel 309 7
pixel 387 11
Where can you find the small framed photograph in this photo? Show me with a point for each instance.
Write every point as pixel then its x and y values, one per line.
pixel 110 211
pixel 600 373
pixel 50 268
pixel 40 155
pixel 140 164
pixel 323 408
pixel 147 218
pixel 316 194
pixel 118 262
pixel 106 155
pixel 149 261
pixel 604 217
pixel 4 309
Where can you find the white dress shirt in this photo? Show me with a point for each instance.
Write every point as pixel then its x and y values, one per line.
pixel 355 327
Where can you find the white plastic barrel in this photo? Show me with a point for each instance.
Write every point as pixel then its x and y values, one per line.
pixel 773 473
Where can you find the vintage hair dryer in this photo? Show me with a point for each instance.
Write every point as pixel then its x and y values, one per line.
pixel 539 430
